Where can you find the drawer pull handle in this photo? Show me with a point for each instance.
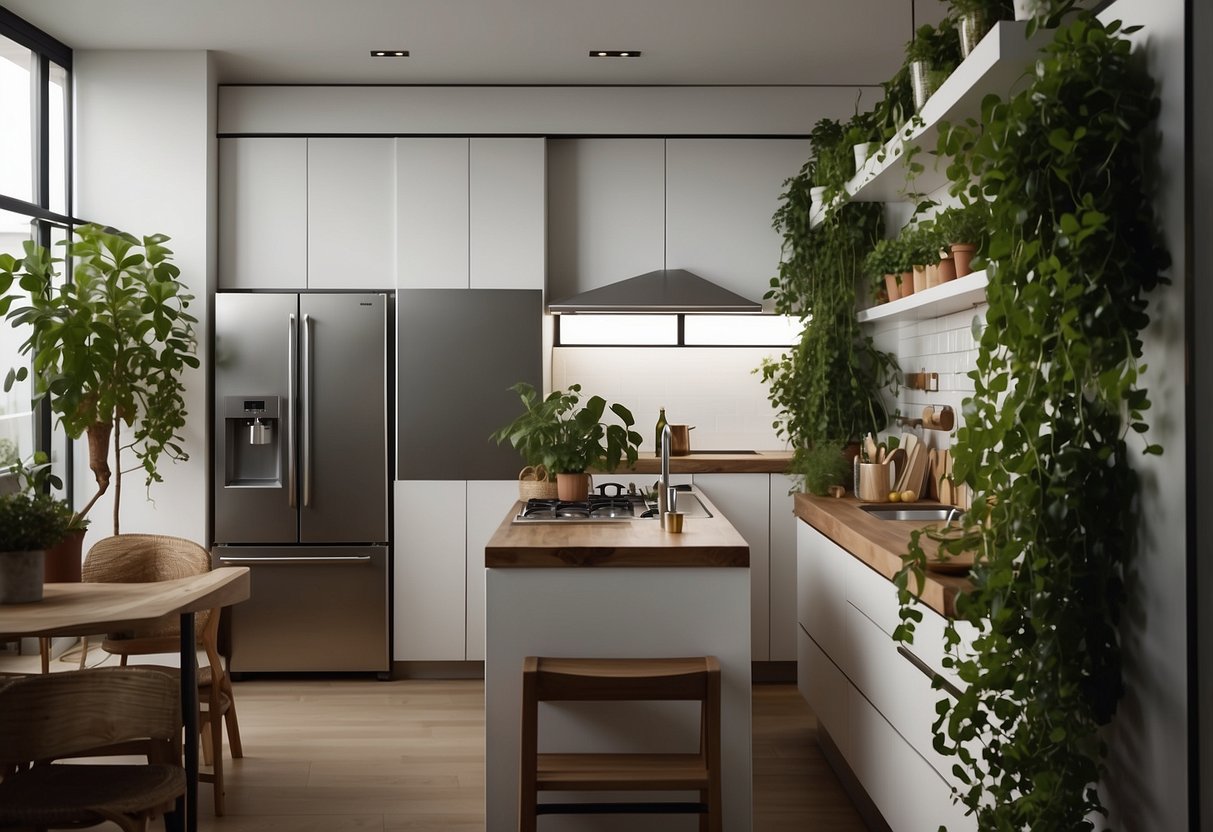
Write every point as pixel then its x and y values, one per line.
pixel 927 671
pixel 294 561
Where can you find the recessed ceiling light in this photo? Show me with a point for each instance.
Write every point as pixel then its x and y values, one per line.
pixel 614 53
pixel 389 53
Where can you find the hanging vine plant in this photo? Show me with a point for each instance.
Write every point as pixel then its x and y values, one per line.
pixel 1067 163
pixel 828 389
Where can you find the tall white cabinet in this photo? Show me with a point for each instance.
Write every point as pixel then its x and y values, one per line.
pixel 351 206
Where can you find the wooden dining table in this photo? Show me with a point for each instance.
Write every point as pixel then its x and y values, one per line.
pixel 89 608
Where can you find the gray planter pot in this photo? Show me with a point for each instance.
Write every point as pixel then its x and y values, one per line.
pixel 21 575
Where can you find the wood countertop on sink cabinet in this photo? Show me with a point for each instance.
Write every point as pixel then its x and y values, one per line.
pixel 880 543
pixel 704 542
pixel 707 462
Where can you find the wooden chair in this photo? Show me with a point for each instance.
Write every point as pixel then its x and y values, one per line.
pixel 139 558
pixel 44 718
pixel 599 680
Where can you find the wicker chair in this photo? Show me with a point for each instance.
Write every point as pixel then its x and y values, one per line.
pixel 44 718
pixel 140 558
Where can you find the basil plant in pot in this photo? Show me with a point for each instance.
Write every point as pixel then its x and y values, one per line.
pixel 108 349
pixel 569 440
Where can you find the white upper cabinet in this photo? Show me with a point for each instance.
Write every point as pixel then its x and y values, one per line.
pixel 263 213
pixel 506 213
pixel 606 212
pixel 720 196
pixel 432 213
pixel 351 207
pixel 470 213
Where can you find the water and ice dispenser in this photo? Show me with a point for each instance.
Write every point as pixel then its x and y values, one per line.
pixel 252 441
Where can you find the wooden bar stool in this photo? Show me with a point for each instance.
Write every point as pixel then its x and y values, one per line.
pixel 601 680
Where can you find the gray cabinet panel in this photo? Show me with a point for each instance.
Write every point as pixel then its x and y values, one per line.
pixel 460 350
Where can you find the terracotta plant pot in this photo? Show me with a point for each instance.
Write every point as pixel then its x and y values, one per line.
pixel 907 284
pixel 573 488
pixel 920 278
pixel 892 285
pixel 962 253
pixel 62 561
pixel 947 270
pixel 932 275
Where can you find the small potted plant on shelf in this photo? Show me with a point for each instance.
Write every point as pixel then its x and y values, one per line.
pixel 832 161
pixel 964 229
pixel 974 18
pixel 569 440
pixel 862 136
pixel 921 251
pixel 931 57
pixel 30 523
pixel 882 265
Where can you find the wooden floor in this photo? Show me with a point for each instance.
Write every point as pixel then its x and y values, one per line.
pixel 407 756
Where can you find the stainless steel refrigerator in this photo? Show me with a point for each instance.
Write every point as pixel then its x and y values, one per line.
pixel 301 476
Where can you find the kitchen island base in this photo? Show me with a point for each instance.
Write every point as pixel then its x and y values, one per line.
pixel 644 612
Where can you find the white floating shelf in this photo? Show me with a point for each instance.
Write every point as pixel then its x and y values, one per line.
pixel 1002 58
pixel 944 299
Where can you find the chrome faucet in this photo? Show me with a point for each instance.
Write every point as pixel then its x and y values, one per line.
pixel 663 491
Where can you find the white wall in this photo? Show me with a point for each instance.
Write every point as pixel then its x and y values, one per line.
pixel 145 162
pixel 1147 782
pixel 713 388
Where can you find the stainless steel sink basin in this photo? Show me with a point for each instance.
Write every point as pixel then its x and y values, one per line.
pixel 895 512
pixel 690 505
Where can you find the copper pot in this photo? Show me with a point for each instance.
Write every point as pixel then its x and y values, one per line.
pixel 680 439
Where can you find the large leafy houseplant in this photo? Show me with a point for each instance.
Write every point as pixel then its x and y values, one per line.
pixel 1067 166
pixel 568 439
pixel 108 348
pixel 829 388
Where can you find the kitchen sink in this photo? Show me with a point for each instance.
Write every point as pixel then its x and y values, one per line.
pixel 690 505
pixel 893 512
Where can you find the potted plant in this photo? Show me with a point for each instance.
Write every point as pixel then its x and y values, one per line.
pixel 921 251
pixel 974 18
pixel 29 524
pixel 61 560
pixel 569 440
pixel 108 348
pixel 931 56
pixel 832 159
pixel 883 265
pixel 964 229
pixel 862 136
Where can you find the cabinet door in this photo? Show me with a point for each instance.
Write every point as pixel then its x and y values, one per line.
pixel 606 209
pixel 783 570
pixel 745 500
pixel 351 210
pixel 506 213
pixel 488 503
pixel 432 213
pixel 720 195
pixel 430 571
pixel 262 213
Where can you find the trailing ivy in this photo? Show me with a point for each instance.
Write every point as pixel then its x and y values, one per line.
pixel 828 388
pixel 1067 165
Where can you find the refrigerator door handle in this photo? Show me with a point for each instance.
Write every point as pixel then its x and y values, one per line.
pixel 292 474
pixel 306 385
pixel 290 561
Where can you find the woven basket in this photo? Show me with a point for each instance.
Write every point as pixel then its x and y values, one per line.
pixel 534 483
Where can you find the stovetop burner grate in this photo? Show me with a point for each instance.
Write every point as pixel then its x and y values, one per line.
pixel 597 507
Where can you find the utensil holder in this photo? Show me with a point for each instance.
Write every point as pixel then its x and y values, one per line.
pixel 875 481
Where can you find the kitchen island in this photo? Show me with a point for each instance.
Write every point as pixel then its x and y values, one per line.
pixel 620 589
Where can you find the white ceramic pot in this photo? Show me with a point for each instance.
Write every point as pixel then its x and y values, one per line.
pixel 862 152
pixel 1026 9
pixel 816 193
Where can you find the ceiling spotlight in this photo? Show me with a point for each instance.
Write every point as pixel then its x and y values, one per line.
pixel 614 53
pixel 389 53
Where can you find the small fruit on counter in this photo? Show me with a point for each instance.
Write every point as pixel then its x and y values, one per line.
pixel 908 496
pixel 894 496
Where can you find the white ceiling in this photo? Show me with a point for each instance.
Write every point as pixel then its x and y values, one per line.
pixel 503 41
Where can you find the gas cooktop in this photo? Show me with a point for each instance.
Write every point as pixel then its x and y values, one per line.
pixel 596 509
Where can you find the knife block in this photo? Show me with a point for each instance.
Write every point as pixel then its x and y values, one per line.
pixel 875 481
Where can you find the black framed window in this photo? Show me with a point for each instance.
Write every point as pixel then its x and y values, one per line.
pixel 35 204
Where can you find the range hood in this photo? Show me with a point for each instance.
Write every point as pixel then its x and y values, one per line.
pixel 667 291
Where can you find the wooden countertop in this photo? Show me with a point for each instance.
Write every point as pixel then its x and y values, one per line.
pixel 880 543
pixel 761 462
pixel 704 542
